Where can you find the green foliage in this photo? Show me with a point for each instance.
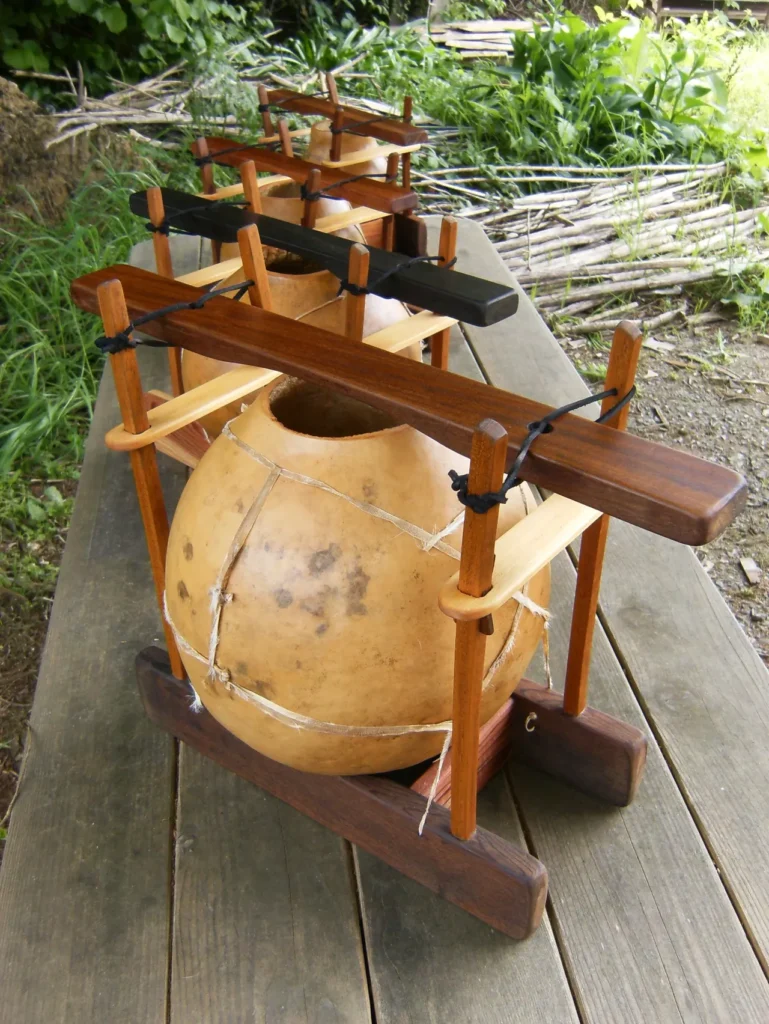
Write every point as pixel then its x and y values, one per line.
pixel 459 10
pixel 29 523
pixel 126 38
pixel 50 367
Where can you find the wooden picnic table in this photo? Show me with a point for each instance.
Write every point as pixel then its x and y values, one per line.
pixel 143 883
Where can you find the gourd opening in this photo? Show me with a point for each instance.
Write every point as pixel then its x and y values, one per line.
pixel 309 409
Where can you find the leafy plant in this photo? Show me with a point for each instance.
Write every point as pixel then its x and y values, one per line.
pixel 115 37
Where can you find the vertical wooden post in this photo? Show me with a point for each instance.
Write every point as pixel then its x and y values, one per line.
pixel 355 305
pixel 447 248
pixel 125 369
pixel 206 170
pixel 264 101
pixel 333 92
pixel 335 152
pixel 623 361
pixel 392 167
pixel 310 212
pixel 487 468
pixel 252 254
pixel 164 266
pixel 209 187
pixel 251 186
pixel 406 164
pixel 388 227
pixel 286 145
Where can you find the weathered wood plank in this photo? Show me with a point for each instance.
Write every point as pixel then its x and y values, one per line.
pixel 84 889
pixel 266 919
pixel 646 925
pixel 266 923
pixel 429 961
pixel 647 928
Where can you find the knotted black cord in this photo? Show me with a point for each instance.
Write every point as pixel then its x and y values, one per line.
pixel 357 124
pixel 313 196
pixel 357 289
pixel 165 227
pixel 123 340
pixel 481 503
pixel 212 158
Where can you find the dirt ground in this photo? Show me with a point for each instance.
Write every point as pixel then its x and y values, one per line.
pixel 709 393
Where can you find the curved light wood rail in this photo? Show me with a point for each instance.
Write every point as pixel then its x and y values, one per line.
pixel 526 548
pixel 214 394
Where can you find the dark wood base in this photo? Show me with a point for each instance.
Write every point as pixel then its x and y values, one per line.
pixel 593 752
pixel 485 875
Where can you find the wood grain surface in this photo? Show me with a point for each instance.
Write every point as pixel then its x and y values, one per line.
pixel 661 489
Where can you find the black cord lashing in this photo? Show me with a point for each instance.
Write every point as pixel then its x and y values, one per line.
pixel 357 289
pixel 123 340
pixel 312 197
pixel 166 227
pixel 350 128
pixel 482 503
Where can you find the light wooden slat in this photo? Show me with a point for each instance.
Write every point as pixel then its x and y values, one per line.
pixel 429 961
pixel 347 218
pixel 520 553
pixel 403 333
pixel 694 668
pixel 212 273
pixel 228 191
pixel 364 155
pixel 191 406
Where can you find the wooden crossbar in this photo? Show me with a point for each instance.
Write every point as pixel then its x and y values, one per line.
pixel 388 129
pixel 373 192
pixel 664 490
pixel 214 394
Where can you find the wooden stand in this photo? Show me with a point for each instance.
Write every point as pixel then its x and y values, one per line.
pixel 486 875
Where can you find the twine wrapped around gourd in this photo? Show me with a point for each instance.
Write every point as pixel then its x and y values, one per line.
pixel 303 571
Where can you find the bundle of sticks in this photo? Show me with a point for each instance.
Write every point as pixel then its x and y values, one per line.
pixel 166 100
pixel 601 232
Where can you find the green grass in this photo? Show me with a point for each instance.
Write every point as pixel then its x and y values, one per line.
pixel 49 365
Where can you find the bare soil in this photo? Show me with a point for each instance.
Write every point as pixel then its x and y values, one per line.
pixel 710 395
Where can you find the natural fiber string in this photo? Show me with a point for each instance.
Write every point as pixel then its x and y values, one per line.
pixel 428 541
pixel 436 780
pixel 293 719
pixel 219 596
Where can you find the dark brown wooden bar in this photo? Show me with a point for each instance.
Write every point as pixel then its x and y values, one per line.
pixel 492 879
pixel 387 129
pixel 661 489
pixel 371 192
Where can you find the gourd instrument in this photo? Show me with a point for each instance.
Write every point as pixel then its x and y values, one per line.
pixel 590 467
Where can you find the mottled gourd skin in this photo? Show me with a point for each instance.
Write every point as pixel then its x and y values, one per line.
pixel 334 611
